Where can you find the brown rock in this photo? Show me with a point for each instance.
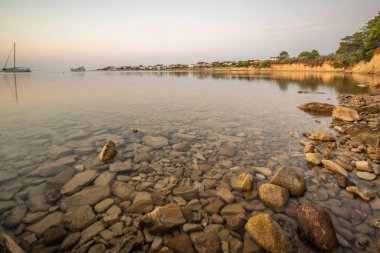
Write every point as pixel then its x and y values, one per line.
pixel 236 222
pixel 205 242
pixel 163 219
pixel 108 152
pixel 181 244
pixel 316 225
pixel 225 194
pixel 127 243
pixel 267 233
pixel 273 196
pixel 291 180
pixel 214 206
pixel 345 113
pixel 343 182
pixel 54 235
pixel 321 136
pixel 317 108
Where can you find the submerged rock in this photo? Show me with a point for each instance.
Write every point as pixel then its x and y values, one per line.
pixel 78 181
pixel 8 244
pixel 108 152
pixel 127 243
pixel 334 167
pixel 205 242
pixel 181 243
pixel 15 217
pixel 317 108
pixel 345 113
pixel 89 196
pixel 155 142
pixel 78 218
pixel 291 180
pixel 316 225
pixel 163 219
pixel 274 196
pixel 364 195
pixel 243 183
pixel 267 233
pixel 314 158
pixel 321 136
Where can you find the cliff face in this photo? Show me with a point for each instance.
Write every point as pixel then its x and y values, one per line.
pixel 325 67
pixel 372 67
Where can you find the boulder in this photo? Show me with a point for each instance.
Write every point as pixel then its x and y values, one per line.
pixel 267 233
pixel 78 181
pixel 108 152
pixel 78 218
pixel 317 108
pixel 321 136
pixel 273 196
pixel 155 142
pixel 334 167
pixel 345 113
pixel 291 180
pixel 163 219
pixel 316 225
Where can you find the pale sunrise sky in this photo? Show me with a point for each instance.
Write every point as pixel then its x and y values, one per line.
pixel 58 35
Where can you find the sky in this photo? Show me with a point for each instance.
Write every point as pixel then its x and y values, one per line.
pixel 58 35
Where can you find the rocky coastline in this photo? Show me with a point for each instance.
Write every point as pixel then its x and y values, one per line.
pixel 163 193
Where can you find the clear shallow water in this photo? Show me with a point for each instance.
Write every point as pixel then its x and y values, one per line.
pixel 79 111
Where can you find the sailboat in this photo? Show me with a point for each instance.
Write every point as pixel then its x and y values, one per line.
pixel 14 69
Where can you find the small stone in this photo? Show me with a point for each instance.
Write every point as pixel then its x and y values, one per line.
pixel 122 167
pixel 181 147
pixel 205 242
pixel 243 183
pixel 334 167
pixel 225 194
pixel 321 136
pixel 191 227
pixel 90 232
pixel 314 158
pixel 343 182
pixel 89 196
pixel 181 244
pixel 364 195
pixel 54 235
pixel 103 205
pixel 98 248
pixel 163 219
pixel 267 233
pixel 156 142
pixel 127 243
pixel 15 217
pixel 78 181
pixel 70 241
pixel 108 152
pixel 53 219
pixel 78 217
pixel 186 192
pixel 232 209
pixel 236 222
pixel 122 190
pixel 214 206
pixel 363 166
pixel 366 175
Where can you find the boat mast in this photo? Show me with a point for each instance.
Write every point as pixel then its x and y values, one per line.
pixel 14 54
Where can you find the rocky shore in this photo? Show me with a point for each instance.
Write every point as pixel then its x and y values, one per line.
pixel 176 192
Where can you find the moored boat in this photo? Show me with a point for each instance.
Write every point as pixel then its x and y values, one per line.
pixel 14 69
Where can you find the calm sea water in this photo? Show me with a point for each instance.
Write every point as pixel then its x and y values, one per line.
pixel 43 112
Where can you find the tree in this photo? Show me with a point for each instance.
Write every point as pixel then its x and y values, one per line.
pixel 283 55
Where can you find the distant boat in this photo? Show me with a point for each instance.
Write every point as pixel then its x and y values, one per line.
pixel 78 69
pixel 14 69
